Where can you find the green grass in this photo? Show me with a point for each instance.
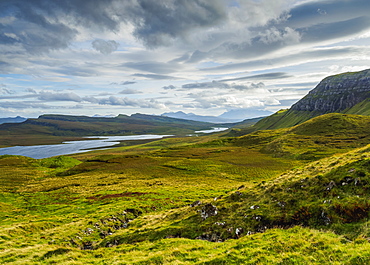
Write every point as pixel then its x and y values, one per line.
pixel 135 204
pixel 317 138
pixel 362 108
pixel 292 246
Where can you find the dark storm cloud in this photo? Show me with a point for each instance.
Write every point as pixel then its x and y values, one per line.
pixel 159 22
pixel 32 29
pixel 42 25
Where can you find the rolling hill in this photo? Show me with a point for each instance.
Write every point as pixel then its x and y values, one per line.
pixel 57 128
pixel 297 195
pixel 293 195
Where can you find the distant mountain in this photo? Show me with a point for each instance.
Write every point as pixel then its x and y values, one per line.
pixel 232 116
pixel 46 127
pixel 347 93
pixel 17 119
pixel 242 114
pixel 195 117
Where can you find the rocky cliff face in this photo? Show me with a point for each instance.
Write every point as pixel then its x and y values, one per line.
pixel 344 93
pixel 336 93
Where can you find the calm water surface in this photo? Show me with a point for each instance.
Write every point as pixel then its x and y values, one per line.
pixel 221 129
pixel 73 147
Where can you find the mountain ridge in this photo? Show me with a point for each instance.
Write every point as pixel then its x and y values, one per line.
pixel 346 93
pixel 55 128
pixel 17 119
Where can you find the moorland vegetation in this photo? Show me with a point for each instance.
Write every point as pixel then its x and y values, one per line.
pixel 292 195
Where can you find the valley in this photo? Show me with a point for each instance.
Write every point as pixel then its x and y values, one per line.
pixel 289 195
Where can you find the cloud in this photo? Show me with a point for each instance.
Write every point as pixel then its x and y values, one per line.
pixel 305 23
pixel 112 100
pixel 32 28
pixel 105 47
pixel 213 84
pixel 274 35
pixel 130 91
pixel 128 83
pixel 43 95
pixel 158 23
pixel 267 76
pixel 222 85
pixel 32 105
pixel 170 87
pixel 235 30
pixel 31 90
pixel 248 87
pixel 50 96
pixel 42 25
pixel 244 113
pixel 226 101
pixel 293 58
pixel 327 11
pixel 240 44
pixel 334 30
pixel 154 67
pixel 4 90
pixel 156 77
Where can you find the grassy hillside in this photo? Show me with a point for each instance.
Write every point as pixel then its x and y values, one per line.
pixel 346 93
pixel 284 119
pixel 317 138
pixel 271 197
pixel 362 108
pixel 288 117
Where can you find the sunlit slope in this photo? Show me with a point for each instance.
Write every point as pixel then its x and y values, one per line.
pixel 330 194
pixel 319 137
pixel 261 198
pixel 288 118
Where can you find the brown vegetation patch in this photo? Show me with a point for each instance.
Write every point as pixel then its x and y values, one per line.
pixel 352 213
pixel 117 195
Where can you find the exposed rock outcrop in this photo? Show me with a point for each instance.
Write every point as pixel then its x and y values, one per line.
pixel 347 93
pixel 336 93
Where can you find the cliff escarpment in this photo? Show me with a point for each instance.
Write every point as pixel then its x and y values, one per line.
pixel 347 93
pixel 336 93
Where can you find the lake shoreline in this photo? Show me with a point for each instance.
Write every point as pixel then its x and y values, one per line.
pixel 74 147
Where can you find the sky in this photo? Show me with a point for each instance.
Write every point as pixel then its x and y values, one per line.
pixel 234 58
